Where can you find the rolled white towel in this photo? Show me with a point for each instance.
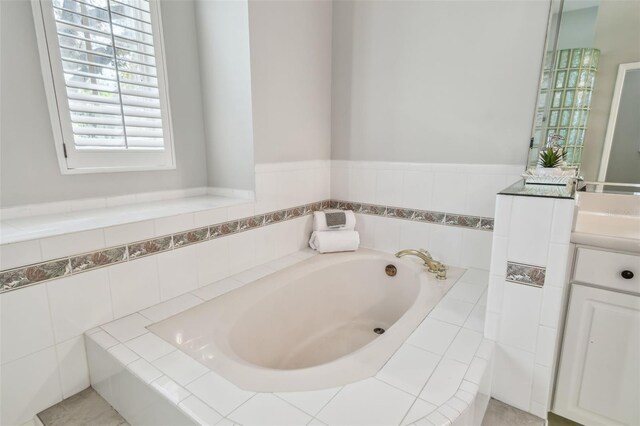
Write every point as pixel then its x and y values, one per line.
pixel 330 242
pixel 320 222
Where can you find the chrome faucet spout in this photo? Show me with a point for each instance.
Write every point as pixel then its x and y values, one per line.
pixel 433 265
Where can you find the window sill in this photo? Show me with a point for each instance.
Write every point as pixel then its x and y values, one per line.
pixel 49 225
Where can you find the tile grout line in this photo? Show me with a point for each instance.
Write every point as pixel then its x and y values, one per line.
pixel 326 404
pixel 238 407
pixel 439 361
pixel 292 405
pixel 55 345
pixel 427 381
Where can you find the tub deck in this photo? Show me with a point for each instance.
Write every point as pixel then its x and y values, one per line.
pixel 439 376
pixel 310 326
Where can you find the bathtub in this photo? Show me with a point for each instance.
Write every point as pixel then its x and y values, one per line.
pixel 310 326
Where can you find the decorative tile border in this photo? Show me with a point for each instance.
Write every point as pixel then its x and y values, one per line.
pixel 519 273
pixel 97 259
pixel 449 219
pixel 153 246
pixel 24 276
pixel 20 277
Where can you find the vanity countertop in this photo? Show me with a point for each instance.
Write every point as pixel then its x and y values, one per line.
pixel 613 232
pixel 520 188
pixel 608 221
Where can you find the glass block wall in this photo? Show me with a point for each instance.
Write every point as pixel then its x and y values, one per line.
pixel 565 96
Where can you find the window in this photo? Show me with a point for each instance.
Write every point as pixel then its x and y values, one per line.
pixel 104 72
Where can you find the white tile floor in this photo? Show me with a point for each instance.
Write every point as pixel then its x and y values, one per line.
pixel 435 373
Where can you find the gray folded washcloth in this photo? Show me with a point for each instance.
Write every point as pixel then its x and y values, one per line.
pixel 335 219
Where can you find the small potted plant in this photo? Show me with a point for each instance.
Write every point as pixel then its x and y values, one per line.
pixel 550 161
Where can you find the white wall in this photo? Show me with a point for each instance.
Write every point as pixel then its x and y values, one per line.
pixel 291 79
pixel 223 45
pixel 29 171
pixel 578 28
pixel 436 81
pixel 213 74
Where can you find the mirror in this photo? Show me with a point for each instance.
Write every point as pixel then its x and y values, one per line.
pixel 589 91
pixel 621 153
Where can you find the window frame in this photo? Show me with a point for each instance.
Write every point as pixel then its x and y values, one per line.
pixel 70 159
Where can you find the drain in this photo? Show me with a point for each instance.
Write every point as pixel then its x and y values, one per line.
pixel 378 330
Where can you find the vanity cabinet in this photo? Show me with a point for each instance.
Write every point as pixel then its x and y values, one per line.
pixel 599 372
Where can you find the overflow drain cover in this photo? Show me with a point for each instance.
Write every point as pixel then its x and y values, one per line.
pixel 378 330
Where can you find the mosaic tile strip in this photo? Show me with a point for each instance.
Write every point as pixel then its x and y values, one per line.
pixel 460 220
pixel 486 224
pixel 431 217
pixel 450 219
pixel 33 274
pixel 191 237
pixel 24 276
pixel 525 274
pixel 97 259
pixel 145 248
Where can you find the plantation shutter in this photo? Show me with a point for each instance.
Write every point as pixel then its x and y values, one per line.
pixel 110 73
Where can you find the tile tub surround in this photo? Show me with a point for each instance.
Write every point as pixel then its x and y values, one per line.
pixel 456 193
pixel 79 205
pixel 60 310
pixel 527 291
pixel 463 189
pixel 439 376
pixel 14 279
pixel 278 185
pixel 50 344
pixel 448 219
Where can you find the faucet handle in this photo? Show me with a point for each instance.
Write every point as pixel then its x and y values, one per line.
pixel 441 273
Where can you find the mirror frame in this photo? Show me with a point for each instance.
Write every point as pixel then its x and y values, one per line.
pixel 550 45
pixel 613 117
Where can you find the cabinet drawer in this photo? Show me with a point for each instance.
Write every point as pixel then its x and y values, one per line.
pixel 605 268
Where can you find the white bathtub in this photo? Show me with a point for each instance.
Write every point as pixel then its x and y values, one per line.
pixel 310 326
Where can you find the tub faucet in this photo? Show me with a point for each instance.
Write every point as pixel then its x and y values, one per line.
pixel 434 266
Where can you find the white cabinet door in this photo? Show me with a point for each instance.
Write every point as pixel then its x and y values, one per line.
pixel 599 375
